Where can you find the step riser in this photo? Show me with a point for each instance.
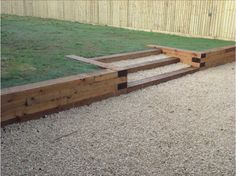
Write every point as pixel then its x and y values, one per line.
pixel 135 85
pixel 126 56
pixel 151 65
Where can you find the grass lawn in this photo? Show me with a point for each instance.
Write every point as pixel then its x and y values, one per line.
pixel 33 49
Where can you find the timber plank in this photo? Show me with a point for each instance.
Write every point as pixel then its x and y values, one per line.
pixel 55 110
pixel 132 86
pixel 90 61
pixel 59 95
pixel 151 64
pixel 31 99
pixel 220 61
pixel 177 52
pixel 60 98
pixel 13 93
pixel 219 51
pixel 20 101
pixel 219 56
pixel 126 56
pixel 184 55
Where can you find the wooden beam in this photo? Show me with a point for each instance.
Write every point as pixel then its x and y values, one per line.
pixel 38 98
pixel 177 52
pixel 90 61
pixel 219 59
pixel 216 56
pixel 219 51
pixel 151 64
pixel 184 55
pixel 126 56
pixel 135 85
pixel 39 114
pixel 79 79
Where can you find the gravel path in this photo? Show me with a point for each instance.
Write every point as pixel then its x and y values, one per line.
pixel 156 71
pixel 182 127
pixel 139 60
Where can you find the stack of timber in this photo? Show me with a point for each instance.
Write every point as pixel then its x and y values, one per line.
pixel 34 100
pixel 207 58
pixel 219 56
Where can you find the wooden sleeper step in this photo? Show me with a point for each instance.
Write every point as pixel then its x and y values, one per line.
pixel 139 84
pixel 126 56
pixel 151 64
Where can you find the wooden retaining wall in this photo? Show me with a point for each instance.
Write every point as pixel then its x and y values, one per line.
pixel 34 100
pixel 207 58
pixel 218 56
pixel 198 18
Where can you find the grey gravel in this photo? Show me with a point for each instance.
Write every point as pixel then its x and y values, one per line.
pixel 182 127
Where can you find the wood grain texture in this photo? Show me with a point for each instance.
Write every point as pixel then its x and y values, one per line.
pixel 219 56
pixel 90 61
pixel 209 58
pixel 40 114
pixel 176 51
pixel 184 55
pixel 126 56
pixel 151 64
pixel 135 85
pixel 219 51
pixel 39 98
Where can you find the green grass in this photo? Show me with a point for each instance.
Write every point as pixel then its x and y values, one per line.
pixel 33 49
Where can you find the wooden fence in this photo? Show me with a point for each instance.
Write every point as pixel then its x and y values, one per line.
pixel 199 18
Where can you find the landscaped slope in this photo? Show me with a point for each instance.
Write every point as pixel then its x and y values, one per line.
pixel 33 49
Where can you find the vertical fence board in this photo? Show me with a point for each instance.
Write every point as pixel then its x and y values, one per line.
pixel 209 18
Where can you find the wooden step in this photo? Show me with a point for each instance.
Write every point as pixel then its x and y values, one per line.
pixel 126 56
pixel 88 61
pixel 151 64
pixel 139 84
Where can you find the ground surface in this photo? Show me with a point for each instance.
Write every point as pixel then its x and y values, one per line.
pixel 182 127
pixel 33 49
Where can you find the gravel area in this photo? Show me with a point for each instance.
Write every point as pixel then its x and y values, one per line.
pixel 139 60
pixel 156 71
pixel 181 127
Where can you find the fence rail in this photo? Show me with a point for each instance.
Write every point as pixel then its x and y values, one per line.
pixel 199 18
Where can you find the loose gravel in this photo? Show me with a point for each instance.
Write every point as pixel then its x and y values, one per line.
pixel 182 127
